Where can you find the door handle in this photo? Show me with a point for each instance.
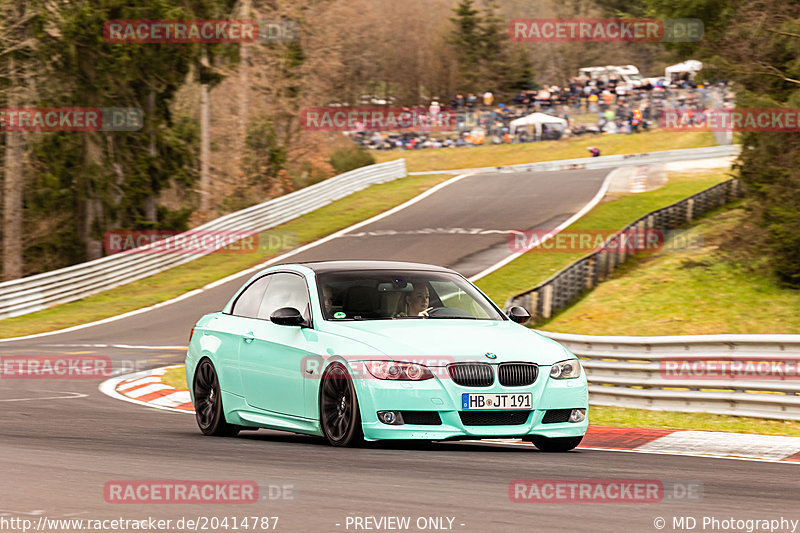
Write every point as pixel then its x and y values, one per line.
pixel 248 337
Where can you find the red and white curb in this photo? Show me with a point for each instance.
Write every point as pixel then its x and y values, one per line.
pixel 744 446
pixel 639 183
pixel 146 388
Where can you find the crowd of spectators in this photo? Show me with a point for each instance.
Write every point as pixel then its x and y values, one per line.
pixel 588 106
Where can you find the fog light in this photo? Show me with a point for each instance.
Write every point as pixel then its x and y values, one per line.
pixel 577 415
pixel 393 418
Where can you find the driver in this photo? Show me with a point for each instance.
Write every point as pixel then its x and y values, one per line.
pixel 417 301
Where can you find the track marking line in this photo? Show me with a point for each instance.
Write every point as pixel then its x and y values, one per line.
pixel 561 227
pixel 125 346
pixel 73 395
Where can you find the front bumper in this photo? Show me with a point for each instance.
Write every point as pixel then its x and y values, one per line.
pixel 444 397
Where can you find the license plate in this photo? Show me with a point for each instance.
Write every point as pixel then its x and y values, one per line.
pixel 502 400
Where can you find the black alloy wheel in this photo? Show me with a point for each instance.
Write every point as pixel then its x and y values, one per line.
pixel 339 414
pixel 208 402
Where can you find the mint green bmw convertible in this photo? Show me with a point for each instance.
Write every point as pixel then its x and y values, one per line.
pixel 371 350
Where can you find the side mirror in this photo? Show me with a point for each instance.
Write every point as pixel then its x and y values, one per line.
pixel 518 314
pixel 287 316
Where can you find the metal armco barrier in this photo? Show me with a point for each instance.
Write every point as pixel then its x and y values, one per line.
pixel 33 293
pixel 567 285
pixel 641 372
pixel 605 161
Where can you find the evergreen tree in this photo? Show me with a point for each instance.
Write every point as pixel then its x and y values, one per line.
pixel 467 39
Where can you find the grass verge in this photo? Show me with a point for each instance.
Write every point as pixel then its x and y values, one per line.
pixel 175 378
pixel 179 280
pixel 723 284
pixel 623 417
pixel 514 154
pixel 613 213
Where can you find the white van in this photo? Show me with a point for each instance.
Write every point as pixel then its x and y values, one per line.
pixel 627 74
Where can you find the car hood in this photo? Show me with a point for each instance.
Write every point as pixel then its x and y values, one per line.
pixel 460 340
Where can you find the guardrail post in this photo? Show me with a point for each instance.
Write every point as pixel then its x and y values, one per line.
pixel 641 237
pixel 736 190
pixel 689 210
pixel 533 302
pixel 590 272
pixel 547 300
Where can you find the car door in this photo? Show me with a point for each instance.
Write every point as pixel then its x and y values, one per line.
pixel 230 331
pixel 271 356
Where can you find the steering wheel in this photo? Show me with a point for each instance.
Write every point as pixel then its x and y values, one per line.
pixel 449 312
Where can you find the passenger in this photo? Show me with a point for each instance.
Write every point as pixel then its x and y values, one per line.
pixel 327 293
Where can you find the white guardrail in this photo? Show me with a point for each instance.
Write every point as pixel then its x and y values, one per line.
pixel 605 161
pixel 743 375
pixel 33 293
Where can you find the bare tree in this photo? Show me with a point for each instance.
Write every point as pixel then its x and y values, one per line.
pixel 14 45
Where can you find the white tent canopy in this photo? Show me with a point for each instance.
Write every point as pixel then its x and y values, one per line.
pixel 691 65
pixel 537 120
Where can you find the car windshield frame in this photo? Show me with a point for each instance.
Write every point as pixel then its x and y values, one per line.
pixel 396 279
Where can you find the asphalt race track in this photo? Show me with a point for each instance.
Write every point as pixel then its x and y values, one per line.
pixel 62 441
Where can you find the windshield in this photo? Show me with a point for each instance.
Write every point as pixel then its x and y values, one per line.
pixel 390 294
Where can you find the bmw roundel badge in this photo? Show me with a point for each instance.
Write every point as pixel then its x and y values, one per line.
pixel 491 355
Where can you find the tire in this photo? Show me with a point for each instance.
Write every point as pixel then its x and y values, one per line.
pixel 557 444
pixel 208 402
pixel 339 414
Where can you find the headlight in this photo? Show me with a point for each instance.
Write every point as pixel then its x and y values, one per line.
pixel 398 371
pixel 568 369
